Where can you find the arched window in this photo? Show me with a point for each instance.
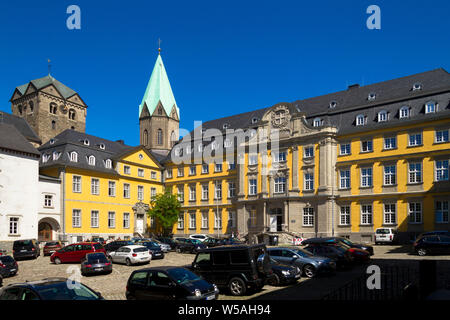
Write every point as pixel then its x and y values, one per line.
pixel 173 138
pixel 430 107
pixel 317 122
pixel 31 106
pixel 74 156
pixel 72 114
pixel 20 109
pixel 159 137
pixel 145 138
pixel 53 108
pixel 382 116
pixel 53 124
pixel 91 160
pixel 160 111
pixel 404 112
pixel 108 163
pixel 360 120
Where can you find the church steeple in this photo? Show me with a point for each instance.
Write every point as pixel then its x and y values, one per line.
pixel 159 115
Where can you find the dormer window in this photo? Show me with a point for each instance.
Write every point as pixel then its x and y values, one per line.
pixel 108 163
pixel 56 155
pixel 404 112
pixel 214 145
pixel 360 120
pixel 200 147
pixel 382 116
pixel 372 96
pixel 52 141
pixel 333 104
pixel 188 150
pixel 254 120
pixel 86 142
pixel 178 152
pixel 317 122
pixel 417 86
pixel 102 146
pixel 73 156
pixel 226 126
pixel 91 160
pixel 430 107
pixel 227 143
pixel 45 158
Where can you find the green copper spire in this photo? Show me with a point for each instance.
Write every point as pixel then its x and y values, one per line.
pixel 158 89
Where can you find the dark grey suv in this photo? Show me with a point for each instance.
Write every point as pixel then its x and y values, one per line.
pixel 26 249
pixel 309 264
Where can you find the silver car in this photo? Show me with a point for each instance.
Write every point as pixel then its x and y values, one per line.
pixel 164 246
pixel 132 254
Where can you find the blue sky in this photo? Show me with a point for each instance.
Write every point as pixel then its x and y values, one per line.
pixel 222 57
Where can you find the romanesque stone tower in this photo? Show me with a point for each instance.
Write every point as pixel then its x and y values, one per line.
pixel 159 116
pixel 49 107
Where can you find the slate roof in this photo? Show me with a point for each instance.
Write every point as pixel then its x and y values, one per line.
pixel 21 125
pixel 40 83
pixel 12 139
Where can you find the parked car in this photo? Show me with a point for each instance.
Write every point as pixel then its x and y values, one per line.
pixel 341 240
pixel 75 252
pixel 385 235
pixel 212 242
pixel 163 283
pixel 431 233
pixel 230 241
pixel 237 268
pixel 113 246
pixel 168 241
pixel 188 245
pixel 164 247
pixel 309 264
pixel 154 248
pixel 26 249
pixel 357 254
pixel 51 247
pixel 132 254
pixel 49 289
pixel 201 237
pixel 342 257
pixel 99 240
pixel 432 244
pixel 95 263
pixel 283 273
pixel 8 266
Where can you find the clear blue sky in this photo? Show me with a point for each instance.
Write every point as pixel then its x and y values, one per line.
pixel 222 57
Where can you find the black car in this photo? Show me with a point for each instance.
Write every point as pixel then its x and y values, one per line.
pixel 236 268
pixel 340 240
pixel 283 274
pixel 230 241
pixel 95 263
pixel 188 245
pixel 339 254
pixel 164 283
pixel 154 248
pixel 114 245
pixel 168 241
pixel 212 242
pixel 49 289
pixel 26 249
pixel 8 266
pixel 432 244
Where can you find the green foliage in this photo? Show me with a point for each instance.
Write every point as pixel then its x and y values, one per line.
pixel 165 208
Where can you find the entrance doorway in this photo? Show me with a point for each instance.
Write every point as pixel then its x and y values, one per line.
pixel 45 232
pixel 276 219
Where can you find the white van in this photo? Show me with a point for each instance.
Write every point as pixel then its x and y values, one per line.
pixel 385 235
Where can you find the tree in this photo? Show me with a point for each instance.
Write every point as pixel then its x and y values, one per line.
pixel 165 208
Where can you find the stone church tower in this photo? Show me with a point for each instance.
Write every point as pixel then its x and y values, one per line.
pixel 49 107
pixel 159 116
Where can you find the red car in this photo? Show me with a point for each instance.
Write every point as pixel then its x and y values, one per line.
pixel 52 246
pixel 76 252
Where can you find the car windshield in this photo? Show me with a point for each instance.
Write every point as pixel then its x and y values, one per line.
pixel 347 242
pixel 143 249
pixel 97 258
pixel 303 253
pixel 52 243
pixel 382 231
pixel 6 259
pixel 64 291
pixel 98 246
pixel 23 243
pixel 182 276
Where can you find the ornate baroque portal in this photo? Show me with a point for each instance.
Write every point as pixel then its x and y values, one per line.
pixel 140 212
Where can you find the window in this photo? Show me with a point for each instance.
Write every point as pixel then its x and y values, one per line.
pixel 254 120
pixel 332 104
pixel 344 216
pixel 205 192
pixel 366 177
pixel 13 225
pixel 169 173
pixel 95 186
pixel 415 139
pixel 415 212
pixel 218 190
pixel 430 107
pixel 126 220
pixel 126 191
pixel 345 149
pixel 192 170
pixel 140 172
pixel 153 175
pixel 53 108
pixel 417 86
pixel 180 193
pixel 192 220
pixel 389 213
pixel 280 116
pixel 180 221
pixel 72 114
pixel 45 158
pixel 366 214
pixel 217 220
pixel 76 218
pixel 140 190
pixel 231 189
pixel 73 156
pixel 191 193
pixel 56 155
pixel 159 137
pixel 231 165
pixel 280 185
pixel 415 172
pixel 111 219
pixel 253 159
pixel 76 184
pixel 309 152
pixel 441 211
pixel 227 143
pixel 205 222
pixel 218 167
pixel 389 175
pixel 344 179
pixel 253 217
pixel 126 170
pixel 382 116
pixel 309 181
pixel 366 146
pixel 252 187
pixel 360 120
pixel 441 136
pixel 317 122
pixel 441 170
pixel 231 219
pixel 108 163
pixel 152 192
pixel 205 168
pixel 404 112
pixel 94 219
pixel 111 188
pixel 308 217
pixel 390 143
pixel 91 160
pixel 279 156
pixel 86 142
pixel 372 96
pixel 48 201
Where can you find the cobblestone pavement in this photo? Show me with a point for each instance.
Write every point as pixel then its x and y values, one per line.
pixel 112 286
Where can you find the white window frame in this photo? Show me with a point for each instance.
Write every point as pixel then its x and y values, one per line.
pixel 218 219
pixel 180 223
pixel 205 220
pixel 14 225
pixel 414 172
pixel 76 185
pixel 91 160
pixel 76 218
pixel 192 193
pixel 152 192
pixel 279 185
pixel 308 217
pixel 415 136
pixel 366 176
pixel 404 112
pixel 360 120
pixel 205 168
pixel 218 167
pixel 192 220
pixel 231 219
pixel 180 193
pixel 414 212
pixel 153 174
pixel 390 143
pixel 345 148
pixel 140 193
pixel 389 175
pixel 192 170
pixel 390 213
pixel 366 215
pixel 443 210
pixel 252 159
pixel 368 143
pixel 205 191
pixel 126 191
pixel 111 188
pixel 126 169
pixel 308 152
pixel 95 186
pixel 252 187
pixel 441 136
pixel 126 220
pixel 111 218
pixel 180 172
pixel 73 156
pixel 217 190
pixel 344 215
pixel 344 180
pixel 95 218
pixel 169 173
pixel 383 116
pixel 231 189
pixel 108 163
pixel 441 170
pixel 308 181
pixel 48 201
pixel 428 109
pixel 141 172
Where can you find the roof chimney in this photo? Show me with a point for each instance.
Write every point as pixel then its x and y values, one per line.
pixel 121 142
pixel 353 86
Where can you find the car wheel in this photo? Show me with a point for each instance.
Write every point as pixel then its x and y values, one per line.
pixel 309 271
pixel 178 250
pixel 128 262
pixel 421 252
pixel 275 280
pixel 237 286
pixel 57 261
